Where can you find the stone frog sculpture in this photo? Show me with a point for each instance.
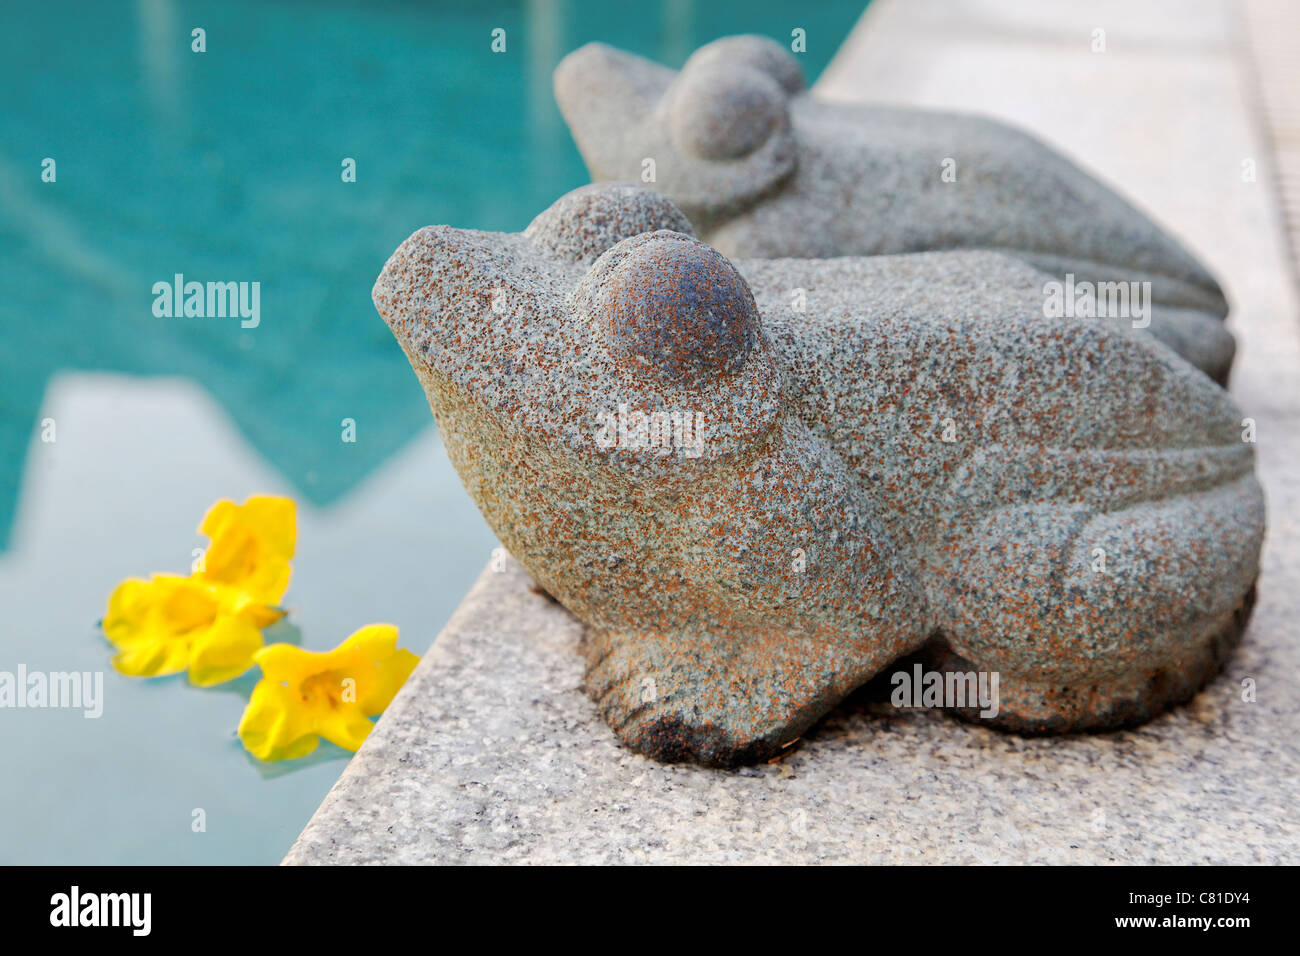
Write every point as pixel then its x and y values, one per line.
pixel 757 498
pixel 763 169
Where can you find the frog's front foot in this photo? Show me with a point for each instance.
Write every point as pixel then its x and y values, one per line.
pixel 721 701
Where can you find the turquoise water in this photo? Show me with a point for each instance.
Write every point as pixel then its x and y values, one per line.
pixel 225 166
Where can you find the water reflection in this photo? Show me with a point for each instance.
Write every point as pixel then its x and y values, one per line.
pixel 225 166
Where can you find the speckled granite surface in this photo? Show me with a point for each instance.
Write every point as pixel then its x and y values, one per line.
pixel 493 753
pixel 765 170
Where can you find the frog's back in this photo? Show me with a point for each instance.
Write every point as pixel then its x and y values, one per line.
pixel 926 360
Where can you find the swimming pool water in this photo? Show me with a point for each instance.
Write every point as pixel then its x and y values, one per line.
pixel 225 166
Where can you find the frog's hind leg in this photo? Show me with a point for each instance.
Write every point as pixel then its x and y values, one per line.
pixel 1199 337
pixel 720 701
pixel 1098 619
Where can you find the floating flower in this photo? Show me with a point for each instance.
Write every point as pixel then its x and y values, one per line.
pixel 251 546
pixel 210 623
pixel 306 695
pixel 171 623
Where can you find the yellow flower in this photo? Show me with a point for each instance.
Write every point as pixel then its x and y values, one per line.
pixel 306 695
pixel 172 623
pixel 251 546
pixel 209 623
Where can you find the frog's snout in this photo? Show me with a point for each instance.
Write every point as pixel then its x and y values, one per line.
pixel 443 290
pixel 629 88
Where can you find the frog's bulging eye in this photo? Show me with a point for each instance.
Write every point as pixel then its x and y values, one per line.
pixel 582 224
pixel 673 308
pixel 716 112
pixel 750 52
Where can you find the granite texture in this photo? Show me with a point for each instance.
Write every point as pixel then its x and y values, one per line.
pixel 857 457
pixel 764 170
pixel 493 753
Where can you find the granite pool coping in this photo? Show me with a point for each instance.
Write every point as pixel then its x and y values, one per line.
pixel 492 753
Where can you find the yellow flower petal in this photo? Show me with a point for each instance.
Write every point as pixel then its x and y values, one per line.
pixel 170 623
pixel 275 518
pixel 348 728
pixel 128 611
pixel 273 727
pixel 378 665
pixel 165 604
pixel 153 623
pixel 289 664
pixel 272 517
pixel 326 693
pixel 251 546
pixel 152 659
pixel 219 517
pixel 224 651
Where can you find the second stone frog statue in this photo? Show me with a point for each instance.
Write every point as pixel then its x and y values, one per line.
pixel 897 452
pixel 765 169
